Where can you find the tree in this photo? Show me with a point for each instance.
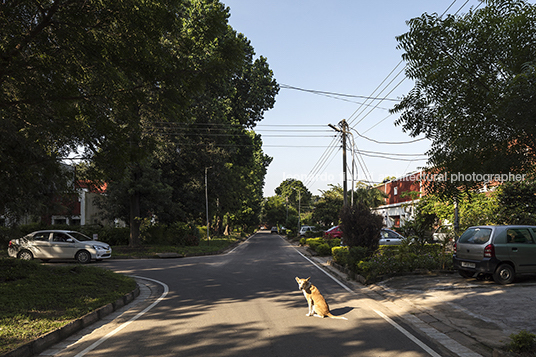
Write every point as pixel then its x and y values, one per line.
pixel 475 79
pixel 328 207
pixel 369 196
pixel 360 226
pixel 516 203
pixel 296 192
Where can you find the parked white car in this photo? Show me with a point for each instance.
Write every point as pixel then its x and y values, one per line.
pixel 305 229
pixel 58 244
pixel 390 237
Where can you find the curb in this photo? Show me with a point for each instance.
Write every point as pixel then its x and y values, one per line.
pixel 43 342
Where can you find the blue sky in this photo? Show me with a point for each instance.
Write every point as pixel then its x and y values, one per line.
pixel 344 47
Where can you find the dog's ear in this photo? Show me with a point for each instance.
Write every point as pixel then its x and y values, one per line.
pixel 308 279
pixel 297 279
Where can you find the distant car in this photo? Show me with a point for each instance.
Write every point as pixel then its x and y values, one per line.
pixel 390 237
pixel 443 234
pixel 501 252
pixel 58 244
pixel 333 232
pixel 274 230
pixel 305 229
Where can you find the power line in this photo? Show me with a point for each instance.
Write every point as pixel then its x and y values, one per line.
pixel 285 86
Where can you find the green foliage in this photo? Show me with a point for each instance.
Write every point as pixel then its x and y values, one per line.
pixel 474 208
pixel 490 109
pixel 180 234
pixel 360 226
pixel 37 299
pixel 298 195
pixel 326 212
pixel 340 255
pixel 393 260
pixel 313 243
pixel 516 203
pixel 334 242
pixel 303 241
pixel 323 249
pixel 522 342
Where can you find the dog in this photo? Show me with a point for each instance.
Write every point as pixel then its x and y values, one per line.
pixel 317 304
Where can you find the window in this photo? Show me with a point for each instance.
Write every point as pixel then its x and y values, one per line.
pixel 475 236
pixel 519 236
pixel 41 236
pixel 395 191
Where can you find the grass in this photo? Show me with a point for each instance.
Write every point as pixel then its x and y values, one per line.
pixel 36 299
pixel 215 245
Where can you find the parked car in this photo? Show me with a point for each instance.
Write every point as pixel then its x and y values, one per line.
pixel 58 244
pixel 274 230
pixel 443 234
pixel 305 229
pixel 333 232
pixel 390 237
pixel 500 252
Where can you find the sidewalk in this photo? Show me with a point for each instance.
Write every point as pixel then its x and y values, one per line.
pixel 479 316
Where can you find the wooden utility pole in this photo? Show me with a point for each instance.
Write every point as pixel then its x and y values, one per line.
pixel 343 129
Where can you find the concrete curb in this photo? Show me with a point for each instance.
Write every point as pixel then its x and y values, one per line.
pixel 43 342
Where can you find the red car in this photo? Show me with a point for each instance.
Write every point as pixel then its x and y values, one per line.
pixel 333 232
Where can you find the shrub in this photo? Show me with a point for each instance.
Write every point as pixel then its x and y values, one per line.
pixel 360 226
pixel 303 241
pixel 522 342
pixel 323 249
pixel 335 242
pixel 340 255
pixel 314 242
pixel 392 260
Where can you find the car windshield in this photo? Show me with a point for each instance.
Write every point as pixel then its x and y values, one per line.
pixel 79 236
pixel 475 236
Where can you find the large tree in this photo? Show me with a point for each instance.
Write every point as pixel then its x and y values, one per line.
pixel 106 76
pixel 474 94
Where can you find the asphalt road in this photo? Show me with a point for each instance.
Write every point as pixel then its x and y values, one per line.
pixel 245 303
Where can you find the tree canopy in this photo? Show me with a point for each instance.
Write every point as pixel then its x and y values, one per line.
pixel 160 89
pixel 474 93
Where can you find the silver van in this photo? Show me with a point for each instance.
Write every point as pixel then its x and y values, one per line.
pixel 497 251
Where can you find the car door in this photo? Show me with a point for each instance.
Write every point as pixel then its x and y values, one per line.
pixel 62 246
pixel 40 245
pixel 522 249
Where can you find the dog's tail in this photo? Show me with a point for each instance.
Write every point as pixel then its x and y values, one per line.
pixel 336 317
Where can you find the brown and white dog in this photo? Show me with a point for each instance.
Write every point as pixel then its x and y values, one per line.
pixel 317 304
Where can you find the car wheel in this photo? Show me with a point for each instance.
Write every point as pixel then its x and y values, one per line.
pixel 25 255
pixel 504 274
pixel 466 274
pixel 83 257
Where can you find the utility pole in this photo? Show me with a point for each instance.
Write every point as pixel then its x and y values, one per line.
pixel 343 130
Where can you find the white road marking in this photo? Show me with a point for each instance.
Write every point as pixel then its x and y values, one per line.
pixel 122 326
pixel 446 341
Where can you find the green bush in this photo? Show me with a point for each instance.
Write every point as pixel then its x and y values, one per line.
pixel 323 249
pixel 340 255
pixel 313 243
pixel 335 242
pixel 392 260
pixel 303 241
pixel 522 342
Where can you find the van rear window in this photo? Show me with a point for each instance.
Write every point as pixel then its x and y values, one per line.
pixel 475 236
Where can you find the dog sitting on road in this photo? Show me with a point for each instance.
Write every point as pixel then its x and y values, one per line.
pixel 317 304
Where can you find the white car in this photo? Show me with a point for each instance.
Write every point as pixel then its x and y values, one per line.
pixel 58 244
pixel 305 229
pixel 390 237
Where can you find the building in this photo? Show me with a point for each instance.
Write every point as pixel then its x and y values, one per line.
pixel 401 193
